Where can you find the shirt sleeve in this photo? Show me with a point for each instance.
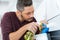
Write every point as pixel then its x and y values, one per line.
pixel 6 26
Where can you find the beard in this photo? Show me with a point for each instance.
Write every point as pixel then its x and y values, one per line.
pixel 28 20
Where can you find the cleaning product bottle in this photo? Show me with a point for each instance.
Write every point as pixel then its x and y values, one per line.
pixel 29 35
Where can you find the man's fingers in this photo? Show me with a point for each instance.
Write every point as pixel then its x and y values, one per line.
pixel 36 24
pixel 34 30
pixel 44 21
pixel 35 27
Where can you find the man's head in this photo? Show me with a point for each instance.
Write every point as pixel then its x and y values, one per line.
pixel 26 10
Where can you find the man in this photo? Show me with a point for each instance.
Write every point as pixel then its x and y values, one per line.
pixel 15 24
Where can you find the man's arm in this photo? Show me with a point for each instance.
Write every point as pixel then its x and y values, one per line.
pixel 18 34
pixel 7 32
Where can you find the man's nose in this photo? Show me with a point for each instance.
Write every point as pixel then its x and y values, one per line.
pixel 31 15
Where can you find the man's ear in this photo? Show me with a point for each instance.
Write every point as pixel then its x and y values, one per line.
pixel 18 13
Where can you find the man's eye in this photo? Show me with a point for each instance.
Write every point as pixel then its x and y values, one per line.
pixel 28 13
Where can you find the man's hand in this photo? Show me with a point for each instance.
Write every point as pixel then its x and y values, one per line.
pixel 44 21
pixel 32 27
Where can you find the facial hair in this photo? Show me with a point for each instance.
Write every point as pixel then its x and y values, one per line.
pixel 29 19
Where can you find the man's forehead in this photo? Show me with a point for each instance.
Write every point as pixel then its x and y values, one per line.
pixel 29 8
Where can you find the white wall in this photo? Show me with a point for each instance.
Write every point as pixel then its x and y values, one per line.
pixel 7 5
pixel 47 9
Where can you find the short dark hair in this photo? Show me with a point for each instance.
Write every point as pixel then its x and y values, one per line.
pixel 23 3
